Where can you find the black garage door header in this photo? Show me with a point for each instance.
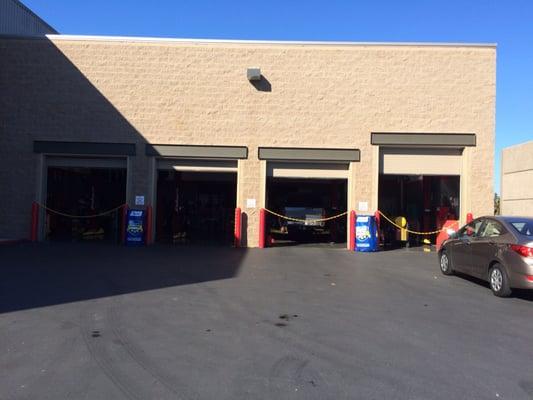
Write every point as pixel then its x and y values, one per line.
pixel 308 154
pixel 424 139
pixel 84 148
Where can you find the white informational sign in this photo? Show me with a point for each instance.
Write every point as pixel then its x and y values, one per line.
pixel 250 203
pixel 363 206
pixel 139 200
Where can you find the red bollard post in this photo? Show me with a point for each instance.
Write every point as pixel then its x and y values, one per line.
pixel 123 224
pixel 34 221
pixel 262 225
pixel 469 218
pixel 351 236
pixel 148 238
pixel 238 228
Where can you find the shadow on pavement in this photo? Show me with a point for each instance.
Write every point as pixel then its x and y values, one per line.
pixel 317 245
pixel 49 274
pixel 522 294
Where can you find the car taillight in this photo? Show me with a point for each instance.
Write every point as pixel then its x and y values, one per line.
pixel 524 251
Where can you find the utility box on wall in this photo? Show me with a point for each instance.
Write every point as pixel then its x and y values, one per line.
pixel 366 233
pixel 253 74
pixel 135 227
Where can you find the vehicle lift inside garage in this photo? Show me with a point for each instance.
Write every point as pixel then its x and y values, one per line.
pixel 306 200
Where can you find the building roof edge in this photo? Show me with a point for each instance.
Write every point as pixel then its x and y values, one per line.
pixel 261 42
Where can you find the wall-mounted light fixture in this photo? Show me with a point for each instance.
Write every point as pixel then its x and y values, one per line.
pixel 253 74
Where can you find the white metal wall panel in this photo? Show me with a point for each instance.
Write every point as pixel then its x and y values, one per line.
pixel 518 185
pixel 307 170
pixel 197 165
pixel 517 180
pixel 420 161
pixel 209 176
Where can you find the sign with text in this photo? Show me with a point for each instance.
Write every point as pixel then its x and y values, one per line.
pixel 250 203
pixel 135 227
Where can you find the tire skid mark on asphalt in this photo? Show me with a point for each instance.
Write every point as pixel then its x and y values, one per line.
pixel 333 356
pixel 139 356
pixel 527 387
pixel 290 369
pixel 316 351
pixel 136 355
pixel 302 343
pixel 51 371
pixel 327 353
pixel 286 365
pixel 99 355
pixel 285 371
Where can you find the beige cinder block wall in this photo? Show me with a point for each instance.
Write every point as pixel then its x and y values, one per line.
pixel 190 92
pixel 517 180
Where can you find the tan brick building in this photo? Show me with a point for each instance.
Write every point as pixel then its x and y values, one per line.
pixel 349 112
pixel 517 180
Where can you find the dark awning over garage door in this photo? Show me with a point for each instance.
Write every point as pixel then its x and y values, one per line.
pixel 424 139
pixel 308 154
pixel 84 148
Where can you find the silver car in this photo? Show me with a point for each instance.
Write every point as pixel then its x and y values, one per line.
pixel 498 250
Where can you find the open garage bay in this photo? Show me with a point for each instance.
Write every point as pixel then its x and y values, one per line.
pixel 195 207
pixel 306 203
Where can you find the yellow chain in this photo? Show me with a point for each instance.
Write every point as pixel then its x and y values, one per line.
pixel 409 230
pixel 305 220
pixel 79 216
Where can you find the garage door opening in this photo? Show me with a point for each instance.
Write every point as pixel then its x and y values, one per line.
pixel 306 199
pixel 425 201
pixel 195 207
pixel 84 191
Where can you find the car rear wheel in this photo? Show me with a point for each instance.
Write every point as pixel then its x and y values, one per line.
pixel 445 264
pixel 498 281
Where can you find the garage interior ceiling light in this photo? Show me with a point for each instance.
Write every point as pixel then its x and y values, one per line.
pixel 253 74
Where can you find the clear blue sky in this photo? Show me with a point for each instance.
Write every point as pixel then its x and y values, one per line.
pixel 509 23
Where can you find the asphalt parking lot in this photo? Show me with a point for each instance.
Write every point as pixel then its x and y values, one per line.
pixel 103 322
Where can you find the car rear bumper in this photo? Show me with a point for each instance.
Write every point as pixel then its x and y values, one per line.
pixel 520 280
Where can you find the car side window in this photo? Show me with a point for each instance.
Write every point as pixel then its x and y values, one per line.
pixel 524 228
pixel 492 229
pixel 472 229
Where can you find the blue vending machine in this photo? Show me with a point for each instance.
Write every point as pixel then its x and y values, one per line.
pixel 366 233
pixel 135 227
